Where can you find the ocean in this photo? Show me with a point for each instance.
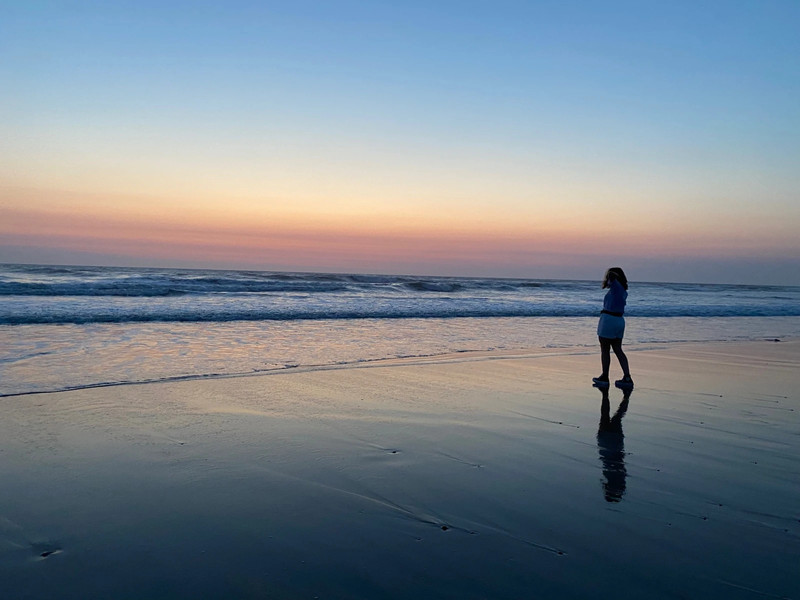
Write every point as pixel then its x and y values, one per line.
pixel 64 327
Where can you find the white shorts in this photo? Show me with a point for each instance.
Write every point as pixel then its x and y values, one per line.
pixel 611 327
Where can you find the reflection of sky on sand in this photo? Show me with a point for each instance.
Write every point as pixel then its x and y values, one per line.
pixel 475 479
pixel 611 446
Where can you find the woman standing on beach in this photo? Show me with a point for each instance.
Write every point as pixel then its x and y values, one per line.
pixel 611 327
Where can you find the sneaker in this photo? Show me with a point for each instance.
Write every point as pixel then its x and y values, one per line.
pixel 600 381
pixel 625 382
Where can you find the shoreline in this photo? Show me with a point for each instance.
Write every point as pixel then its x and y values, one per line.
pixel 445 357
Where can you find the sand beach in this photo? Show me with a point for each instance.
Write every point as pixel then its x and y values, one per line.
pixel 488 475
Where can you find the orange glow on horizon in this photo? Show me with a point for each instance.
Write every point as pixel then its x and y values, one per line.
pixel 271 234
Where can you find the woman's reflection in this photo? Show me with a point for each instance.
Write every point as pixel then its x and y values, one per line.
pixel 611 446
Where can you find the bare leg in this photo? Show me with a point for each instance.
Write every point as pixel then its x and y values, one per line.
pixel 605 357
pixel 623 360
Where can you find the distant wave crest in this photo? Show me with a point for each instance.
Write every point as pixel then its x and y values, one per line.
pixel 321 313
pixel 31 294
pixel 86 282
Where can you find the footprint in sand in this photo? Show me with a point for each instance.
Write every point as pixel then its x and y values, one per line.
pixel 44 550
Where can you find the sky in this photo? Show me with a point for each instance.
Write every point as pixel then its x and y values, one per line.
pixel 503 138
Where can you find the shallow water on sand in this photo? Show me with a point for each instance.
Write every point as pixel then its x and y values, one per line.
pixel 36 358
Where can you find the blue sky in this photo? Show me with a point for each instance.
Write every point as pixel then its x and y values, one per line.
pixel 537 118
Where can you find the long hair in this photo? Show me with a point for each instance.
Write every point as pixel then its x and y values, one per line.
pixel 615 273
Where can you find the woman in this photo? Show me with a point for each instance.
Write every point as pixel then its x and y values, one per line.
pixel 611 327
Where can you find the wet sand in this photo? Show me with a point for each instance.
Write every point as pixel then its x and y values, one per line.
pixel 491 476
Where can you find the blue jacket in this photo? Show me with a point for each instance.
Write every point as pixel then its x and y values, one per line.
pixel 615 298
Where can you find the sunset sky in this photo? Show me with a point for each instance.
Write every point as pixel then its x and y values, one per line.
pixel 533 139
